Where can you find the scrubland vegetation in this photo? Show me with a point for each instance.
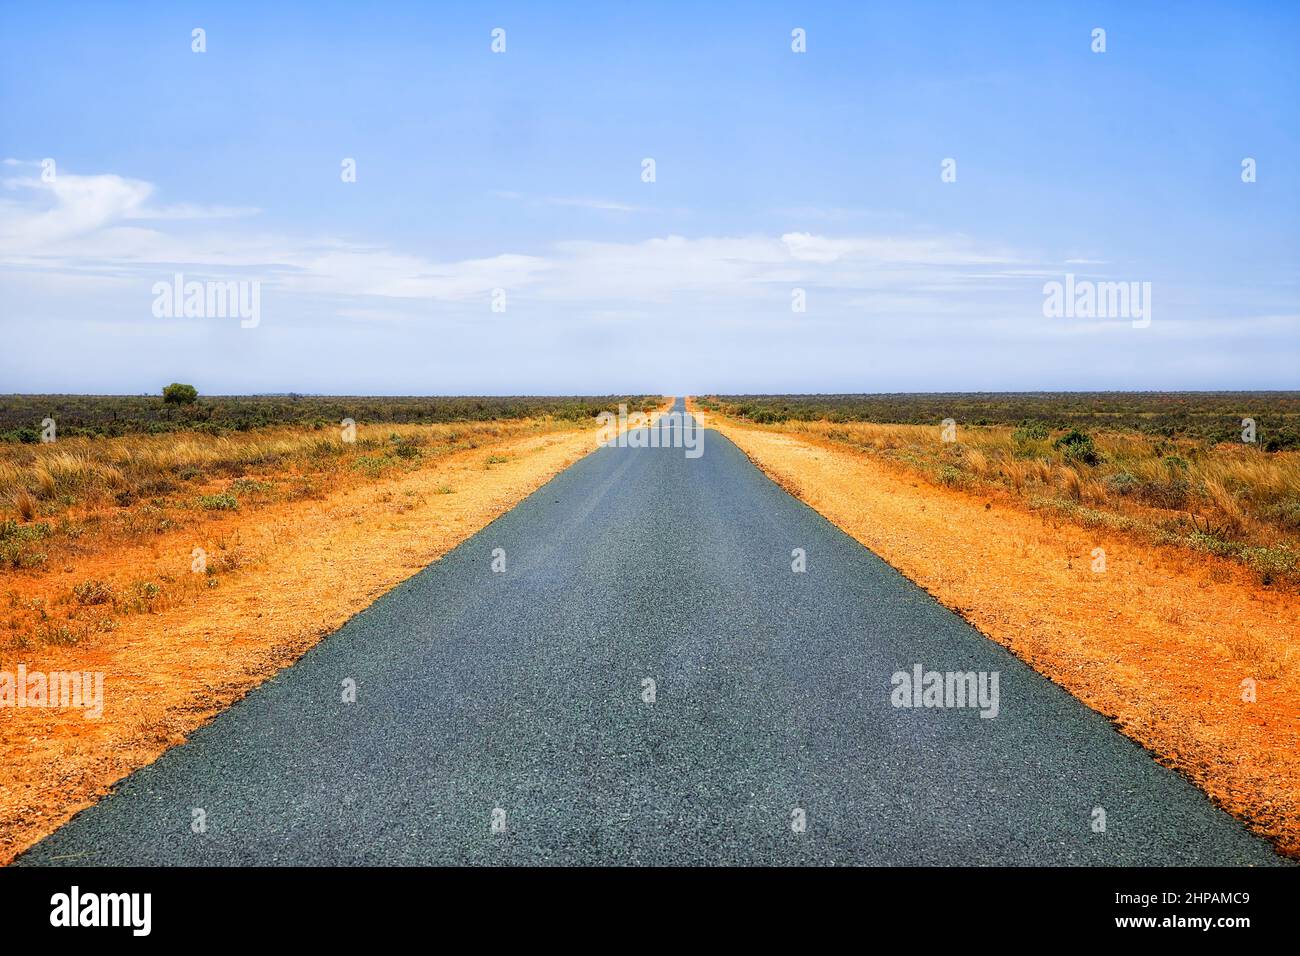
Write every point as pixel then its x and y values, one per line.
pixel 1172 468
pixel 123 473
pixel 117 415
pixel 1212 417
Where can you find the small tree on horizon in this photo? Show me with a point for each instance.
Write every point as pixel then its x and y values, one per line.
pixel 178 394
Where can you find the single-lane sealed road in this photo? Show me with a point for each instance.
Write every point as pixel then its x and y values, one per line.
pixel 502 716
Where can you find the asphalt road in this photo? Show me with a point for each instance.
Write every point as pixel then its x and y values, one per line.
pixel 522 691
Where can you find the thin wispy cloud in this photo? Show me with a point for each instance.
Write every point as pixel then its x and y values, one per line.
pixel 83 223
pixel 605 205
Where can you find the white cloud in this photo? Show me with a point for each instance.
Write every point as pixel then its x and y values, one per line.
pixel 586 202
pixel 88 224
pixel 936 251
pixel 195 211
pixel 607 205
pixel 75 206
pixel 79 215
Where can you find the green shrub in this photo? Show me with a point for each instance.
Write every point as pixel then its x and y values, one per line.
pixel 222 502
pixel 1282 440
pixel 11 530
pixel 1078 447
pixel 1271 564
pixel 1213 542
pixel 26 435
pixel 952 476
pixel 1029 430
pixel 372 465
pixel 14 555
pixel 15 539
pixel 242 487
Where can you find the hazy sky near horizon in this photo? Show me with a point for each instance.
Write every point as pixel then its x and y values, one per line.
pixel 522 171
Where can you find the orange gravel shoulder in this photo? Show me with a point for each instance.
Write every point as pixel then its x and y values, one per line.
pixel 306 567
pixel 1168 645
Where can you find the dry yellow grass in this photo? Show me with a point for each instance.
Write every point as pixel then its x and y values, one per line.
pixel 79 494
pixel 1233 501
pixel 90 468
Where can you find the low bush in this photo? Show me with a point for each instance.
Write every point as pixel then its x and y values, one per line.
pixel 92 592
pixel 1078 447
pixel 221 502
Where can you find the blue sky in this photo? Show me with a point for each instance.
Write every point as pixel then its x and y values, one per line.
pixel 775 170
